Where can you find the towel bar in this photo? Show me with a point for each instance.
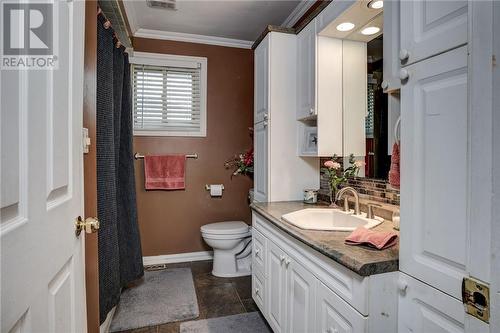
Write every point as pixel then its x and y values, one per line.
pixel 138 156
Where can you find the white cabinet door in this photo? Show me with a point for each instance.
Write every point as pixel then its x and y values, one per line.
pixel 423 309
pixel 306 71
pixel 334 315
pixel 435 173
pixel 261 142
pixel 301 298
pixel 261 81
pixel 391 46
pixel 276 288
pixel 430 27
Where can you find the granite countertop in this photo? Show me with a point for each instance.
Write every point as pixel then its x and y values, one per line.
pixel 362 260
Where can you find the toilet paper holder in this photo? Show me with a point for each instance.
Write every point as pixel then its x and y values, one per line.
pixel 207 187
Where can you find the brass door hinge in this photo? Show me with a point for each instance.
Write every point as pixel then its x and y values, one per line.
pixel 476 298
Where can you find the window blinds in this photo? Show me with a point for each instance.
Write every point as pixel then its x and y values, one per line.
pixel 166 98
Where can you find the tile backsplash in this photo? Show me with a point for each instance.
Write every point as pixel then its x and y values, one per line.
pixel 371 189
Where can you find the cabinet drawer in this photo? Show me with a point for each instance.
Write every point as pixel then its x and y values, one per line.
pixel 333 314
pixel 258 290
pixel 259 248
pixel 423 308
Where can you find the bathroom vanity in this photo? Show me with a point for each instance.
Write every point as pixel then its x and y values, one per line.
pixel 310 281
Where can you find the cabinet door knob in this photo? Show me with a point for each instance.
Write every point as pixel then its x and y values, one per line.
pixel 311 111
pixel 282 259
pixel 257 291
pixel 257 252
pixel 403 74
pixel 264 124
pixel 403 54
pixel 402 286
pixel 287 262
pixel 384 84
pixel 265 116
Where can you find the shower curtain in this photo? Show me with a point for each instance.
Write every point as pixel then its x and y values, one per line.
pixel 119 247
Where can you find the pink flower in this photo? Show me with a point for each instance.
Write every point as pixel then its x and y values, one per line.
pixel 359 164
pixel 332 165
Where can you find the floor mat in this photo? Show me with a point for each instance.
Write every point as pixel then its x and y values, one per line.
pixel 241 323
pixel 164 296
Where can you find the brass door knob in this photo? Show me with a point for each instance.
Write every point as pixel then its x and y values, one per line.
pixel 90 225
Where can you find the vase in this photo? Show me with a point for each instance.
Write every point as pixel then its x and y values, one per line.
pixel 333 193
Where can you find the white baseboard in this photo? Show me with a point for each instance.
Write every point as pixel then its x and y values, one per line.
pixel 175 258
pixel 104 328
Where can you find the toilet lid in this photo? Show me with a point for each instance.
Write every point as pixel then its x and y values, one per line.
pixel 225 228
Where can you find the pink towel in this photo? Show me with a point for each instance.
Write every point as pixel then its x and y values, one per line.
pixel 394 175
pixel 165 172
pixel 377 239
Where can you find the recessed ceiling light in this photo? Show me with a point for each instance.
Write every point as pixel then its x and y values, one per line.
pixel 370 30
pixel 346 26
pixel 376 4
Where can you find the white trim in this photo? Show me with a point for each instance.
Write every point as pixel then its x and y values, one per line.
pixel 297 13
pixel 160 59
pixel 175 258
pixel 192 38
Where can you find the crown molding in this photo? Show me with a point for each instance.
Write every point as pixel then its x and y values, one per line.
pixel 192 38
pixel 297 13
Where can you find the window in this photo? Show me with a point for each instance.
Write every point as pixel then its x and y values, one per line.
pixel 169 95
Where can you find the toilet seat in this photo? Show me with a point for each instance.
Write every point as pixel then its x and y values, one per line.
pixel 226 228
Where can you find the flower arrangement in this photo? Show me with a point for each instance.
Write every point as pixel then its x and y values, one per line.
pixel 242 163
pixel 333 170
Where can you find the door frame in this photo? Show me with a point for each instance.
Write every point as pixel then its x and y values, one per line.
pixel 90 166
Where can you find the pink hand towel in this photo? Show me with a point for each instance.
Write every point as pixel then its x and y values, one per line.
pixel 394 175
pixel 165 172
pixel 377 239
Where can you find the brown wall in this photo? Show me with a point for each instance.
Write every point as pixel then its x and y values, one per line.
pixel 170 221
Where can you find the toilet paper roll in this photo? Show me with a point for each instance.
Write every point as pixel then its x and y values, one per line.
pixel 216 190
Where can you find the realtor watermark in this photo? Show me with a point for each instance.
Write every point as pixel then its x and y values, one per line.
pixel 29 35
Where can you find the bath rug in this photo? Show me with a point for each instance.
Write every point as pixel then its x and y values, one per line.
pixel 162 297
pixel 241 323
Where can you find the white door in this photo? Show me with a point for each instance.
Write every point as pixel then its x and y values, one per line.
pixel 300 299
pixel 430 27
pixel 435 172
pixel 42 279
pixel 261 143
pixel 334 315
pixel 306 71
pixel 423 309
pixel 276 288
pixel 261 81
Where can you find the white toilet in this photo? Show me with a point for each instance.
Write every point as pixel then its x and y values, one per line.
pixel 231 242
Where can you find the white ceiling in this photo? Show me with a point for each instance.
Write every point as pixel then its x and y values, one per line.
pixel 237 19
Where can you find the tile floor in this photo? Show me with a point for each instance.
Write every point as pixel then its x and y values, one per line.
pixel 217 297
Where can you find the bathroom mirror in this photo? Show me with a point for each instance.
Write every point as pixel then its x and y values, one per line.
pixel 365 119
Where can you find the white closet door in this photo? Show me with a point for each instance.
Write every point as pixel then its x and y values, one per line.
pixel 430 27
pixel 434 172
pixel 261 84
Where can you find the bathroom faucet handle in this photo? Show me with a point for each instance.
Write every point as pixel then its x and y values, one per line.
pixel 369 213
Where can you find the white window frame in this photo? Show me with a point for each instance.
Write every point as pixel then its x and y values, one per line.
pixel 170 60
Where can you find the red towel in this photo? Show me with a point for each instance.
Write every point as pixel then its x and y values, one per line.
pixel 394 175
pixel 377 239
pixel 165 172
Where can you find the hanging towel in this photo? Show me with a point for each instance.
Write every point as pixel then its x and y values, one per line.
pixel 394 175
pixel 165 172
pixel 377 239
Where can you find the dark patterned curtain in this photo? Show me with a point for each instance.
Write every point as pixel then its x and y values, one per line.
pixel 120 256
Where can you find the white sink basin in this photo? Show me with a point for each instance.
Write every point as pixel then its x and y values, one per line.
pixel 329 219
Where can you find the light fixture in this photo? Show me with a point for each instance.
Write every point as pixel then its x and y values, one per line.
pixel 345 26
pixel 376 4
pixel 370 31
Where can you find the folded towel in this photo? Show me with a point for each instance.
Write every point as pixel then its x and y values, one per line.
pixel 165 172
pixel 394 175
pixel 377 239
